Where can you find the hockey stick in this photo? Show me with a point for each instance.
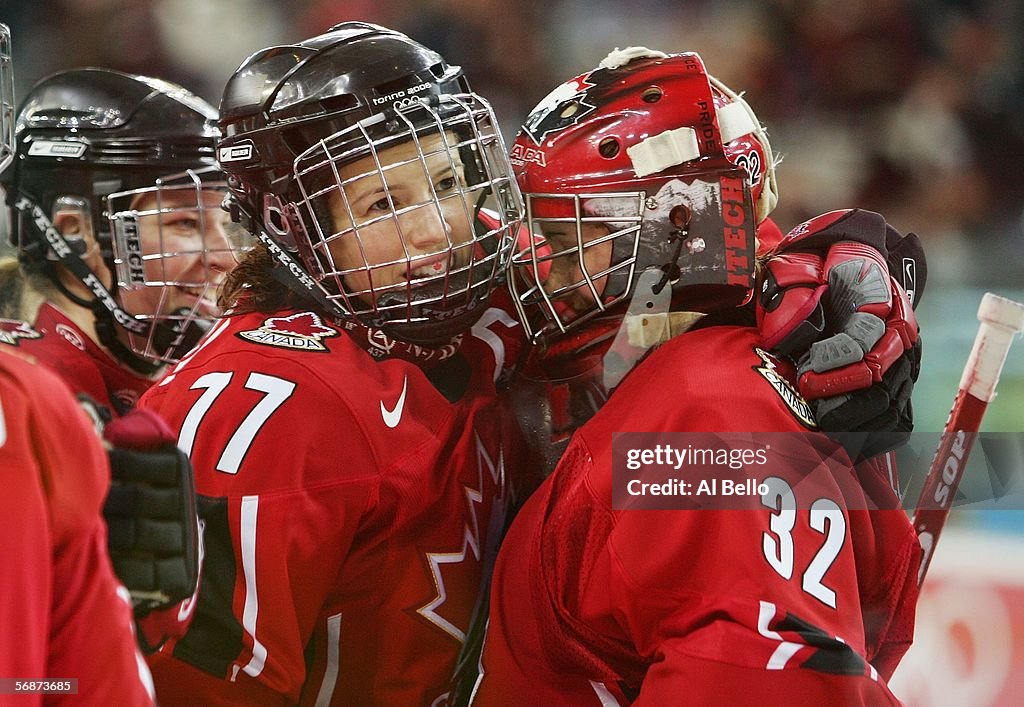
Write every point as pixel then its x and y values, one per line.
pixel 1001 319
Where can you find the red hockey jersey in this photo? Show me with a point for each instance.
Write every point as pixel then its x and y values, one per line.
pixel 56 341
pixel 593 605
pixel 64 614
pixel 347 503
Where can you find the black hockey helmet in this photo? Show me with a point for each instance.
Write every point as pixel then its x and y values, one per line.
pixel 94 140
pixel 292 115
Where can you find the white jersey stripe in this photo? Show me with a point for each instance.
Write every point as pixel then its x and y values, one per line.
pixel 330 681
pixel 786 649
pixel 250 504
pixel 604 694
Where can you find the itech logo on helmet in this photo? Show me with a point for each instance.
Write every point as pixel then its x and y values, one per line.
pixel 738 231
pixel 133 245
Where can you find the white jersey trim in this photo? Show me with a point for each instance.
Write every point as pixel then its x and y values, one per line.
pixel 604 694
pixel 250 611
pixel 330 679
pixel 786 649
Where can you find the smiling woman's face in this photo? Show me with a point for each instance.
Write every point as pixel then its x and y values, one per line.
pixel 186 253
pixel 430 235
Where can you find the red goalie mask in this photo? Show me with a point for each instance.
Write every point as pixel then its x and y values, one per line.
pixel 644 180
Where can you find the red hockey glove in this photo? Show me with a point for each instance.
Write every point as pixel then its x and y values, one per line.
pixel 827 301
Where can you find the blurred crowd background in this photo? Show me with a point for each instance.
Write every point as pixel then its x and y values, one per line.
pixel 914 108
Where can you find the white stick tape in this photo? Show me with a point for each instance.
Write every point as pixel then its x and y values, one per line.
pixel 1001 320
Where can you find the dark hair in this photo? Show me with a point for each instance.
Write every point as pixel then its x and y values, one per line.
pixel 252 287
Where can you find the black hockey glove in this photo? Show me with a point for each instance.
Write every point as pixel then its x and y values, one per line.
pixel 151 513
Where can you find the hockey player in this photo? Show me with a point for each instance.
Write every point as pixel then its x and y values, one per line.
pixel 350 450
pixel 859 375
pixel 115 196
pixel 643 214
pixel 64 612
pixel 115 208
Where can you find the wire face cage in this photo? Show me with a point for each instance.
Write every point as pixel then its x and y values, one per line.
pixel 172 246
pixel 411 215
pixel 577 241
pixel 588 250
pixel 6 99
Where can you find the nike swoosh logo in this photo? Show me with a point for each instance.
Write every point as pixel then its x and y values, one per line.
pixel 393 416
pixel 909 278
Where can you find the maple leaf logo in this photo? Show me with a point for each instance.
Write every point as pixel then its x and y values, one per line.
pixel 301 324
pixel 786 390
pixel 471 549
pixel 559 109
pixel 303 330
pixel 13 329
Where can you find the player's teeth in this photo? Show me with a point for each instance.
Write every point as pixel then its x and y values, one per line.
pixel 427 270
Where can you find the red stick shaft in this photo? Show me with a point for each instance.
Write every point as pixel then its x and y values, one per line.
pixel 946 472
pixel 1001 320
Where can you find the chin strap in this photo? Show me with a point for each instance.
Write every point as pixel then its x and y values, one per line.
pixel 69 258
pixel 63 289
pixel 108 314
pixel 169 342
pixel 106 332
pixel 378 342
